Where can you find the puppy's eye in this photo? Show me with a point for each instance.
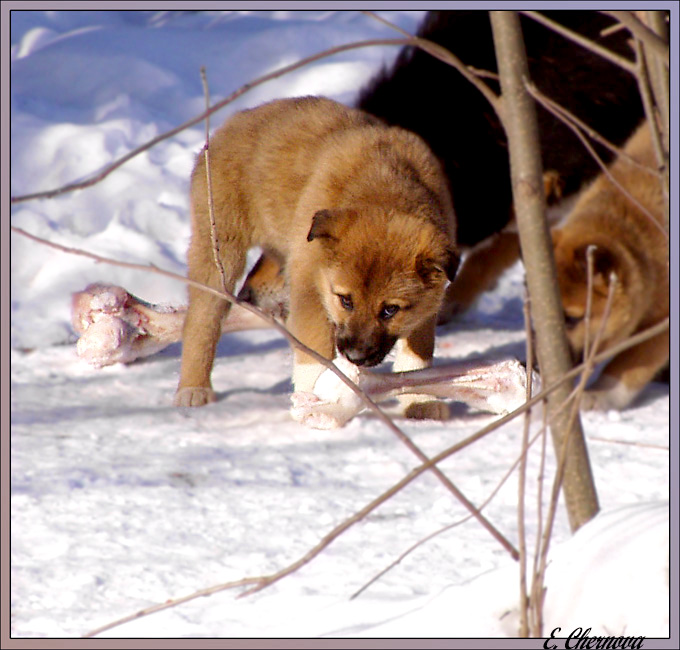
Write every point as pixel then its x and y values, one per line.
pixel 572 321
pixel 346 302
pixel 388 311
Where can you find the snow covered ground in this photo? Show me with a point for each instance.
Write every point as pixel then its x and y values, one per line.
pixel 120 501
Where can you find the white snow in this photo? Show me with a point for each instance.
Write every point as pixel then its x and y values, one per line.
pixel 120 501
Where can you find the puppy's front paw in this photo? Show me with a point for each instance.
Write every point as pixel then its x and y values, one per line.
pixel 312 411
pixel 608 394
pixel 194 396
pixel 430 410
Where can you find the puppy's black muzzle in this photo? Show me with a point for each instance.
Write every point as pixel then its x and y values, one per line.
pixel 365 353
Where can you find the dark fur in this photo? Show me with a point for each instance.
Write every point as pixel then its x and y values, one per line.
pixel 424 95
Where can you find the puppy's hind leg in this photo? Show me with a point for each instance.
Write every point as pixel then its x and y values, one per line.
pixel 203 328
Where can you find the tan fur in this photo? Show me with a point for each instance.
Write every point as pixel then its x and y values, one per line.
pixel 634 247
pixel 357 213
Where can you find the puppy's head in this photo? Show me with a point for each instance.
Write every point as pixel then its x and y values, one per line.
pixel 613 270
pixel 381 275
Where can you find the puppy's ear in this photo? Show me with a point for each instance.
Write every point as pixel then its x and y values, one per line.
pixel 430 268
pixel 452 263
pixel 328 224
pixel 322 226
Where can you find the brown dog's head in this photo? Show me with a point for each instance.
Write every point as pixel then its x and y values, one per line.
pixel 611 263
pixel 382 275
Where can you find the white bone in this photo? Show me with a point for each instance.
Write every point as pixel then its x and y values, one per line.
pixel 116 327
pixel 492 386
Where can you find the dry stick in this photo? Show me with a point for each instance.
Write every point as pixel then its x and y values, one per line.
pixel 604 52
pixel 208 181
pixel 293 341
pixel 538 587
pixel 455 524
pixel 659 73
pixel 317 357
pixel 580 127
pixel 654 115
pixel 534 609
pixel 196 120
pixel 648 101
pixel 650 38
pixel 590 265
pixel 521 532
pixel 264 581
pixel 529 202
pixel 577 126
pixel 441 53
pixel 539 584
pixel 448 484
pixel 434 49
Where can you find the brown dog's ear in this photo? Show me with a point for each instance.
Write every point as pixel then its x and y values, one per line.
pixel 429 268
pixel 452 263
pixel 322 223
pixel 328 224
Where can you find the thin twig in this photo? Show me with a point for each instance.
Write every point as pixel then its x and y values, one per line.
pixel 208 182
pixel 522 478
pixel 394 489
pixel 441 53
pixel 538 588
pixel 643 33
pixel 653 116
pixel 605 53
pixel 405 439
pixel 610 352
pixel 574 125
pixel 295 342
pixel 572 121
pixel 99 176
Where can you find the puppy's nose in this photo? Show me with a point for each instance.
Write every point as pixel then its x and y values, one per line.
pixel 357 357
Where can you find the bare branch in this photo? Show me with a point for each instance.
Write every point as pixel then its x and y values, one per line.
pixel 576 126
pixel 582 41
pixel 267 580
pixel 521 503
pixel 538 586
pixel 643 33
pixel 406 440
pixel 554 358
pixel 447 56
pixel 99 176
pixel 292 340
pixel 208 183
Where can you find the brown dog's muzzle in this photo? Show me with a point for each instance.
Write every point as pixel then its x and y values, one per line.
pixel 362 351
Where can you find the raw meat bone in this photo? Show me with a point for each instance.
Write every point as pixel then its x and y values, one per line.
pixel 492 386
pixel 116 327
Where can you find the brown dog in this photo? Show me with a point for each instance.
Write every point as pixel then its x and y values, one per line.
pixel 360 217
pixel 630 248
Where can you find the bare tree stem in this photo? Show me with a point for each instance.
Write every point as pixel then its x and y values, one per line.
pixel 528 197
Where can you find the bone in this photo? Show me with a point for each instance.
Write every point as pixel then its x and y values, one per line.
pixel 492 386
pixel 116 327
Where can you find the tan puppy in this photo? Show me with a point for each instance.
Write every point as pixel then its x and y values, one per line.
pixel 359 215
pixel 631 245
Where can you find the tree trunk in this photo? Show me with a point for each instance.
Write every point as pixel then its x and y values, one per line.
pixel 554 359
